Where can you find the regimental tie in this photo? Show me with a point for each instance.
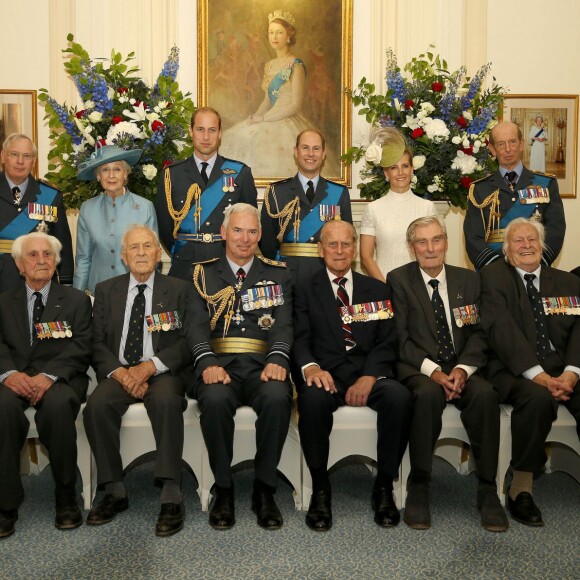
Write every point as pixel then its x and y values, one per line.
pixel 204 176
pixel 310 191
pixel 37 311
pixel 134 343
pixel 511 177
pixel 446 351
pixel 542 339
pixel 342 300
pixel 16 195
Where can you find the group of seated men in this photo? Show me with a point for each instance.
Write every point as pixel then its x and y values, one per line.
pixel 236 333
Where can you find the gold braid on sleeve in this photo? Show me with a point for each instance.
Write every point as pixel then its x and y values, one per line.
pixel 193 193
pixel 492 200
pixel 220 301
pixel 285 215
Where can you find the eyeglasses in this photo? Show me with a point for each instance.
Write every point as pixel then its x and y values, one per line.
pixel 17 156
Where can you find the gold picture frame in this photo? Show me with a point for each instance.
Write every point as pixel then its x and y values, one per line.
pixel 554 117
pixel 18 115
pixel 233 55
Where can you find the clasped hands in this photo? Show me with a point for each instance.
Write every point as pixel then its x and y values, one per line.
pixel 356 395
pixel 30 388
pixel 560 387
pixel 134 379
pixel 217 374
pixel 452 383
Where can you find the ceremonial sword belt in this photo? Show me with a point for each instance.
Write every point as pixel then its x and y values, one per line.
pixel 299 249
pixel 230 345
pixel 205 238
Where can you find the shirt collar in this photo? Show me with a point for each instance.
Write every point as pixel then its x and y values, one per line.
pixel 304 181
pixel 133 283
pixel 522 273
pixel 210 162
pixel 21 186
pixel 518 169
pixel 442 277
pixel 44 291
pixel 333 277
pixel 235 267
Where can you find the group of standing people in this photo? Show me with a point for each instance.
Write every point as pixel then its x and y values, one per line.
pixel 233 327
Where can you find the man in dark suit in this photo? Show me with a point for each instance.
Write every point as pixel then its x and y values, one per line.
pixel 27 205
pixel 441 350
pixel 345 353
pixel 296 208
pixel 512 191
pixel 45 344
pixel 193 194
pixel 138 352
pixel 530 316
pixel 240 335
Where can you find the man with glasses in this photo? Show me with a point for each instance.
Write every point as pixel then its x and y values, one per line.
pixel 512 191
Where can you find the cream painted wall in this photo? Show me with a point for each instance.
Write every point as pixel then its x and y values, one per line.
pixel 533 46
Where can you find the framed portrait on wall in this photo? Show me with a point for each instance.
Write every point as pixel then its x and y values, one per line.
pixel 18 115
pixel 272 69
pixel 549 124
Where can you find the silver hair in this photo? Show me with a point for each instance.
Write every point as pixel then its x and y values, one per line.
pixel 330 223
pixel 134 227
pixel 15 137
pixel 54 243
pixel 241 208
pixel 520 222
pixel 422 222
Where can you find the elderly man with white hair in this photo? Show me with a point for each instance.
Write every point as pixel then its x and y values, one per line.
pixel 45 344
pixel 529 312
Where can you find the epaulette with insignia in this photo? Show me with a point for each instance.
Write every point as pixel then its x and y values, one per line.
pixel 271 262
pixel 206 261
pixel 283 181
pixel 544 174
pixel 48 184
pixel 482 178
pixel 175 163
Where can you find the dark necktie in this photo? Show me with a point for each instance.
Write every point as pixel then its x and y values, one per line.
pixel 204 175
pixel 134 343
pixel 511 177
pixel 37 311
pixel 342 300
pixel 542 339
pixel 16 194
pixel 446 352
pixel 310 191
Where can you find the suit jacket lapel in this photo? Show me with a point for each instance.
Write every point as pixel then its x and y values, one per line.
pixel 216 172
pixel 297 190
pixel 20 312
pixel 324 293
pixel 320 192
pixel 118 299
pixel 456 297
pixel 420 291
pixel 527 314
pixel 159 304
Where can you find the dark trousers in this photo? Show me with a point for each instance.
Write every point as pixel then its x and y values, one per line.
pixel 164 402
pixel 388 398
pixel 534 410
pixel 479 407
pixel 55 420
pixel 272 402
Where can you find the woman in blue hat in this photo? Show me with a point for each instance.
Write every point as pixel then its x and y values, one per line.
pixel 104 218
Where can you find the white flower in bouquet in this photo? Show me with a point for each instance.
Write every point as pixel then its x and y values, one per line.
pixel 436 129
pixel 374 153
pixel 467 164
pixel 149 171
pixel 115 131
pixel 419 161
pixel 95 117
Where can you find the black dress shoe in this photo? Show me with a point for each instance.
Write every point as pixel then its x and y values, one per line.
pixel 7 520
pixel 386 513
pixel 492 514
pixel 319 515
pixel 170 519
pixel 109 507
pixel 68 515
pixel 417 514
pixel 266 510
pixel 524 510
pixel 221 515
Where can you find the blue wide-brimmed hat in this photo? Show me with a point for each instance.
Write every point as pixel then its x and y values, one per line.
pixel 106 154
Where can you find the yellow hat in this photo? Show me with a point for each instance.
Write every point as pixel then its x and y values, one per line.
pixel 393 145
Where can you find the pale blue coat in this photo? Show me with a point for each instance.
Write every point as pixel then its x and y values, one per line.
pixel 101 225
